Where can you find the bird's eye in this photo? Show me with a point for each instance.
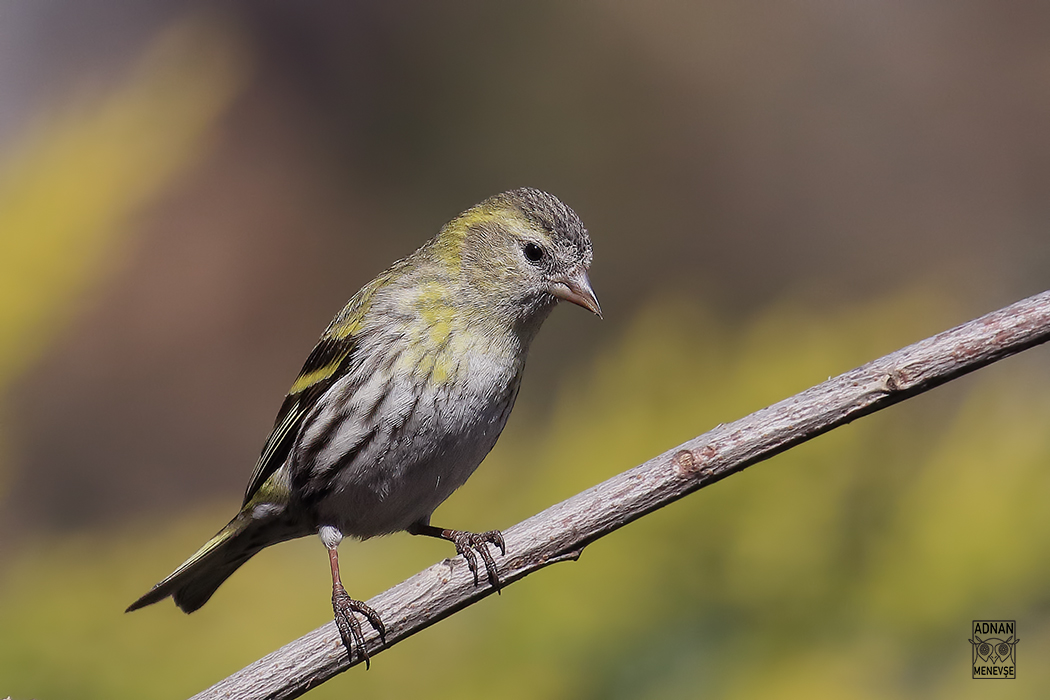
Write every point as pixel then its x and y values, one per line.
pixel 533 253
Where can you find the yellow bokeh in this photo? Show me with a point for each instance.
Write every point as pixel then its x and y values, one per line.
pixel 71 184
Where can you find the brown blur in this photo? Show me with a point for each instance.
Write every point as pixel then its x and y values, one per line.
pixel 730 155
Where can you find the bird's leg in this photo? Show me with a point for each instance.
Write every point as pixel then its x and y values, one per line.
pixel 466 544
pixel 345 607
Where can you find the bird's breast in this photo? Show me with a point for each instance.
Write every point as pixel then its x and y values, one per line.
pixel 400 436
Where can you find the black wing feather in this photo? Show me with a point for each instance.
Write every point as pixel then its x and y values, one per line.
pixel 329 360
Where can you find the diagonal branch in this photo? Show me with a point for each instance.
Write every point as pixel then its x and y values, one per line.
pixel 562 531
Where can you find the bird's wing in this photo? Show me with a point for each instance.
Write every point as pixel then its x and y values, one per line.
pixel 330 359
pixel 326 364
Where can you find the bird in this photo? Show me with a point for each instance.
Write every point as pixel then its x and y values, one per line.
pixel 403 396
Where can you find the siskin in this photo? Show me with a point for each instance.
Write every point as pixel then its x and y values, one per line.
pixel 405 393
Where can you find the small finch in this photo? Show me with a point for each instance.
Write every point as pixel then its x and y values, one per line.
pixel 405 393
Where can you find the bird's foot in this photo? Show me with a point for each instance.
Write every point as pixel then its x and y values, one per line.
pixel 348 624
pixel 467 543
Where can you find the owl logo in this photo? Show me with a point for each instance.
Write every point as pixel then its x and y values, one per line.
pixel 994 656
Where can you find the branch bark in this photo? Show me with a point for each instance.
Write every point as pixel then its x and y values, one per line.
pixel 563 530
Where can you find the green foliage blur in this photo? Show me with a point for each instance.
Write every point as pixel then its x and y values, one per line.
pixel 848 567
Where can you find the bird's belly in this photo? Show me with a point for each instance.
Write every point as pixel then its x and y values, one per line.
pixel 422 447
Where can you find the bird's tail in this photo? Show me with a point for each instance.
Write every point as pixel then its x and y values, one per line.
pixel 194 582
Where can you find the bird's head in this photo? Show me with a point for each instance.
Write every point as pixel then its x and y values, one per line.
pixel 519 252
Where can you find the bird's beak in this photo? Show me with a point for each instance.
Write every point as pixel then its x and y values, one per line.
pixel 577 289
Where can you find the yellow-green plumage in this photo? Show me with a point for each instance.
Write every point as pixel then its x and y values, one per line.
pixel 406 391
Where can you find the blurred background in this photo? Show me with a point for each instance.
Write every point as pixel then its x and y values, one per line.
pixel 777 192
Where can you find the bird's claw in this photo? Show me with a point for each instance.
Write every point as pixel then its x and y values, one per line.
pixel 467 543
pixel 349 626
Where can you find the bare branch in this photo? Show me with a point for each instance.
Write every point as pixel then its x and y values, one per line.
pixel 562 531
